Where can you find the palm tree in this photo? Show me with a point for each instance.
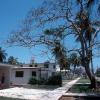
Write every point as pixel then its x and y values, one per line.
pixel 60 55
pixel 2 55
pixel 75 61
pixel 12 60
pixel 57 48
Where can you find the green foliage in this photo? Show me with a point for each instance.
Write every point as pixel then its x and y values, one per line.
pixel 55 80
pixel 41 81
pixel 98 73
pixel 12 60
pixel 84 80
pixel 2 55
pixel 33 80
pixel 8 98
pixel 75 59
pixel 83 88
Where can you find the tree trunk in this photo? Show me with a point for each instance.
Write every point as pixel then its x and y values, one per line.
pixel 91 76
pixel 74 70
pixel 92 63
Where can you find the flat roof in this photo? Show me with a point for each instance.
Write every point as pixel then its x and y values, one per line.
pixel 26 68
pixel 2 65
pixel 6 65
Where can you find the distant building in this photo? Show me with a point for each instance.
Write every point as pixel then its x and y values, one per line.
pixel 80 71
pixel 20 74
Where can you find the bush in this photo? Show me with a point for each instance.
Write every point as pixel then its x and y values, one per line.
pixel 98 74
pixel 33 81
pixel 41 81
pixel 55 80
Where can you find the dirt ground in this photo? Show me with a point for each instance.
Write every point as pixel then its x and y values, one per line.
pixel 79 98
pixel 67 98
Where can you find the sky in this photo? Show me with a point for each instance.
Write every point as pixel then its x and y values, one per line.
pixel 12 12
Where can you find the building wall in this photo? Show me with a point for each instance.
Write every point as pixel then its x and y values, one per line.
pixel 51 69
pixel 10 72
pixel 5 72
pixel 48 72
pixel 22 80
pixel 44 73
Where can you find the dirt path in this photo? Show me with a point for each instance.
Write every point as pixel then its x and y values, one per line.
pixel 57 93
pixel 37 94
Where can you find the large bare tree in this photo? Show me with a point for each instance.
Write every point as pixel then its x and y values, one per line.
pixel 65 17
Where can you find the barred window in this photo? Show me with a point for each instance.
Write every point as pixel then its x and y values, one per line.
pixel 19 74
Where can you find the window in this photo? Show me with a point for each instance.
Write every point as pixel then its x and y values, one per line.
pixel 21 65
pixel 30 65
pixel 46 65
pixel 33 73
pixel 54 66
pixel 36 65
pixel 19 74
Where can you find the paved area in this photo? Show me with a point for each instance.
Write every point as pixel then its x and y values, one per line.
pixel 37 94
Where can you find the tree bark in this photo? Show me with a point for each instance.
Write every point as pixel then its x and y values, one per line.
pixel 90 76
pixel 92 63
pixel 74 70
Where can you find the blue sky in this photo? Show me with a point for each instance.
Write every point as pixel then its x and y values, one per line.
pixel 12 12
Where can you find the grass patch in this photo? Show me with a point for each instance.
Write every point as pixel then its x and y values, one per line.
pixel 79 88
pixel 84 80
pixel 83 88
pixel 5 98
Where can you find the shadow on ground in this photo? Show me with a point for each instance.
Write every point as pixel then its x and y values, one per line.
pixel 79 98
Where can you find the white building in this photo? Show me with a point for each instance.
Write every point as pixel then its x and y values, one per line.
pixel 20 74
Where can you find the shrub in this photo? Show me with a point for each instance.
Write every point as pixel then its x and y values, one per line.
pixel 41 81
pixel 98 74
pixel 55 80
pixel 33 80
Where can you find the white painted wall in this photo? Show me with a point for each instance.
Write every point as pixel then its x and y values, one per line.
pixel 45 73
pixel 48 72
pixel 22 80
pixel 51 69
pixel 5 72
pixel 10 72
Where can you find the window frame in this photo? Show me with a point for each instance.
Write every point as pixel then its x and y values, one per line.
pixel 19 74
pixel 33 74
